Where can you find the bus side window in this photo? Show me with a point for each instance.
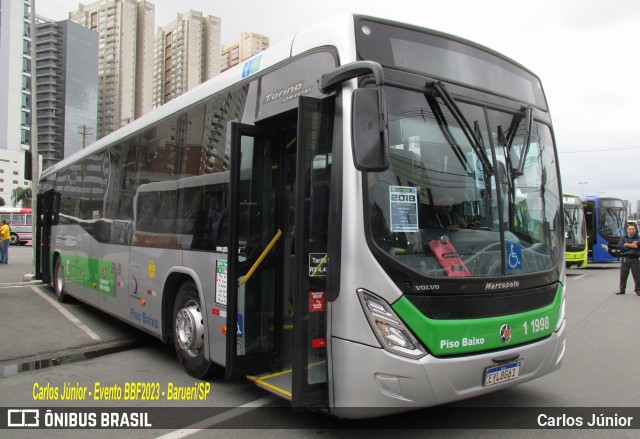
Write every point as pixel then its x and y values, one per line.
pixel 199 241
pixel 146 213
pixel 221 229
pixel 211 221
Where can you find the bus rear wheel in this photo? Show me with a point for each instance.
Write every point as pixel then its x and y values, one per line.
pixel 58 281
pixel 15 239
pixel 188 331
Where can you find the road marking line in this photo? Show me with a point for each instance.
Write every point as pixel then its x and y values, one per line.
pixel 73 319
pixel 5 285
pixel 578 276
pixel 213 420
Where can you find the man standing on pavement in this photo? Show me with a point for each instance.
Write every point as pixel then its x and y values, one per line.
pixel 5 240
pixel 629 246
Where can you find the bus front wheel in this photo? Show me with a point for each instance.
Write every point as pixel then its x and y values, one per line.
pixel 58 281
pixel 15 239
pixel 188 331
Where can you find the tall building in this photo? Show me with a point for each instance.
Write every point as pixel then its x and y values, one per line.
pixel 125 58
pixel 248 45
pixel 15 74
pixel 186 53
pixel 66 88
pixel 15 90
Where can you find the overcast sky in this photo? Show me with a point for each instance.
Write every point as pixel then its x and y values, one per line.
pixel 586 53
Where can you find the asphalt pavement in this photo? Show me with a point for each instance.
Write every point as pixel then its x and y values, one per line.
pixel 36 329
pixel 20 266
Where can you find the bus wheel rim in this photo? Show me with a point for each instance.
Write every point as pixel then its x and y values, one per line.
pixel 189 329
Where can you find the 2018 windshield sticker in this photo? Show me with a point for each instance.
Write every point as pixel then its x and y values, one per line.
pixel 403 205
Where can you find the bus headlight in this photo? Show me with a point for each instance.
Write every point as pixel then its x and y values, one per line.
pixel 392 334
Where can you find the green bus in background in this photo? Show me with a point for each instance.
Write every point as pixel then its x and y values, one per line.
pixel 575 231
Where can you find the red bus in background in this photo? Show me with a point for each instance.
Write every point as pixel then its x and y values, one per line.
pixel 19 221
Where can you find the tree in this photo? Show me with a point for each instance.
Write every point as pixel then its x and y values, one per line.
pixel 21 195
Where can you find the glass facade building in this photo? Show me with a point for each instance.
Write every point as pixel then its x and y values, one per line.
pixel 66 88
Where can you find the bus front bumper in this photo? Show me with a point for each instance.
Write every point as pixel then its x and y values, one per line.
pixel 578 260
pixel 369 381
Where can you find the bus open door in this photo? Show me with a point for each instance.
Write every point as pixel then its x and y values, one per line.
pixel 48 209
pixel 277 295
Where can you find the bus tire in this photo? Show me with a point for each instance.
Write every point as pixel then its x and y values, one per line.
pixel 58 281
pixel 188 332
pixel 15 239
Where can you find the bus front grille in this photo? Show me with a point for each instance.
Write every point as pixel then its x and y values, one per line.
pixel 478 306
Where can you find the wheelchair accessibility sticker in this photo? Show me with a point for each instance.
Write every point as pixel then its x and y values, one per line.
pixel 514 256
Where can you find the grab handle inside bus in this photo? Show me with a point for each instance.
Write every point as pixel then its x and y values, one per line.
pixel 263 255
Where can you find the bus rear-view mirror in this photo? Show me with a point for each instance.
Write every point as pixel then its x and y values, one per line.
pixel 370 133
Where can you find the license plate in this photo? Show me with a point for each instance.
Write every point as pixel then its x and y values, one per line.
pixel 500 374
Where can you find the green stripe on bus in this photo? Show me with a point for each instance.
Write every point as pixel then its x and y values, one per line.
pixel 451 337
pixel 95 274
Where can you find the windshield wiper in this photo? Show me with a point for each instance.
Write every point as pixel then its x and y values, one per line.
pixel 615 216
pixel 528 116
pixel 441 91
pixel 507 140
pixel 478 132
pixel 446 132
pixel 571 222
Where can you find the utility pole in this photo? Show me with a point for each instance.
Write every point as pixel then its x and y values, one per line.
pixel 85 130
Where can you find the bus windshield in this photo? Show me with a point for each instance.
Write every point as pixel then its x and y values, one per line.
pixel 612 220
pixel 438 204
pixel 574 225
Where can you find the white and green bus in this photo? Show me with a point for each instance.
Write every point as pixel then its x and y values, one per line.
pixel 367 215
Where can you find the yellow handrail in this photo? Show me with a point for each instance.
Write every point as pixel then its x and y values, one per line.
pixel 256 264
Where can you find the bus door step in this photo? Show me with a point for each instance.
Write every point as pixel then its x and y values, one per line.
pixel 279 383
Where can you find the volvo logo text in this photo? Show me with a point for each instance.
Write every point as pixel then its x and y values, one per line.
pixel 427 287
